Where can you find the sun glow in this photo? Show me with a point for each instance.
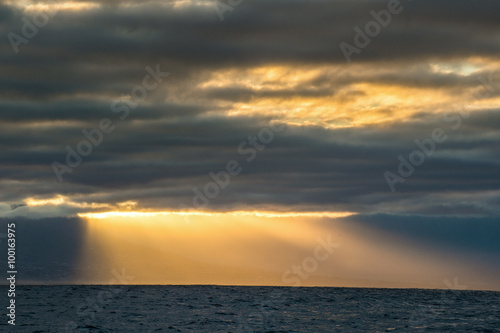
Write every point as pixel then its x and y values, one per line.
pixel 60 6
pixel 331 97
pixel 252 248
pixel 198 247
pixel 61 200
pixel 58 200
pixel 267 214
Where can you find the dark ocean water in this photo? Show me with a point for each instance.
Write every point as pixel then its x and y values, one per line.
pixel 251 309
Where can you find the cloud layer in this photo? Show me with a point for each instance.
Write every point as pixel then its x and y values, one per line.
pixel 267 62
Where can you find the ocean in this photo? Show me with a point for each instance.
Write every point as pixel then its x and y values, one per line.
pixel 251 309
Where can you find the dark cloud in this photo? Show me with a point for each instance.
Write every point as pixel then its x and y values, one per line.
pixel 159 164
pixel 67 77
pixel 262 32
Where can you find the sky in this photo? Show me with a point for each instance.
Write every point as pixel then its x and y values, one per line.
pixel 254 142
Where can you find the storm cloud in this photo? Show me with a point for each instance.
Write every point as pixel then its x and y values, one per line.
pixel 266 62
